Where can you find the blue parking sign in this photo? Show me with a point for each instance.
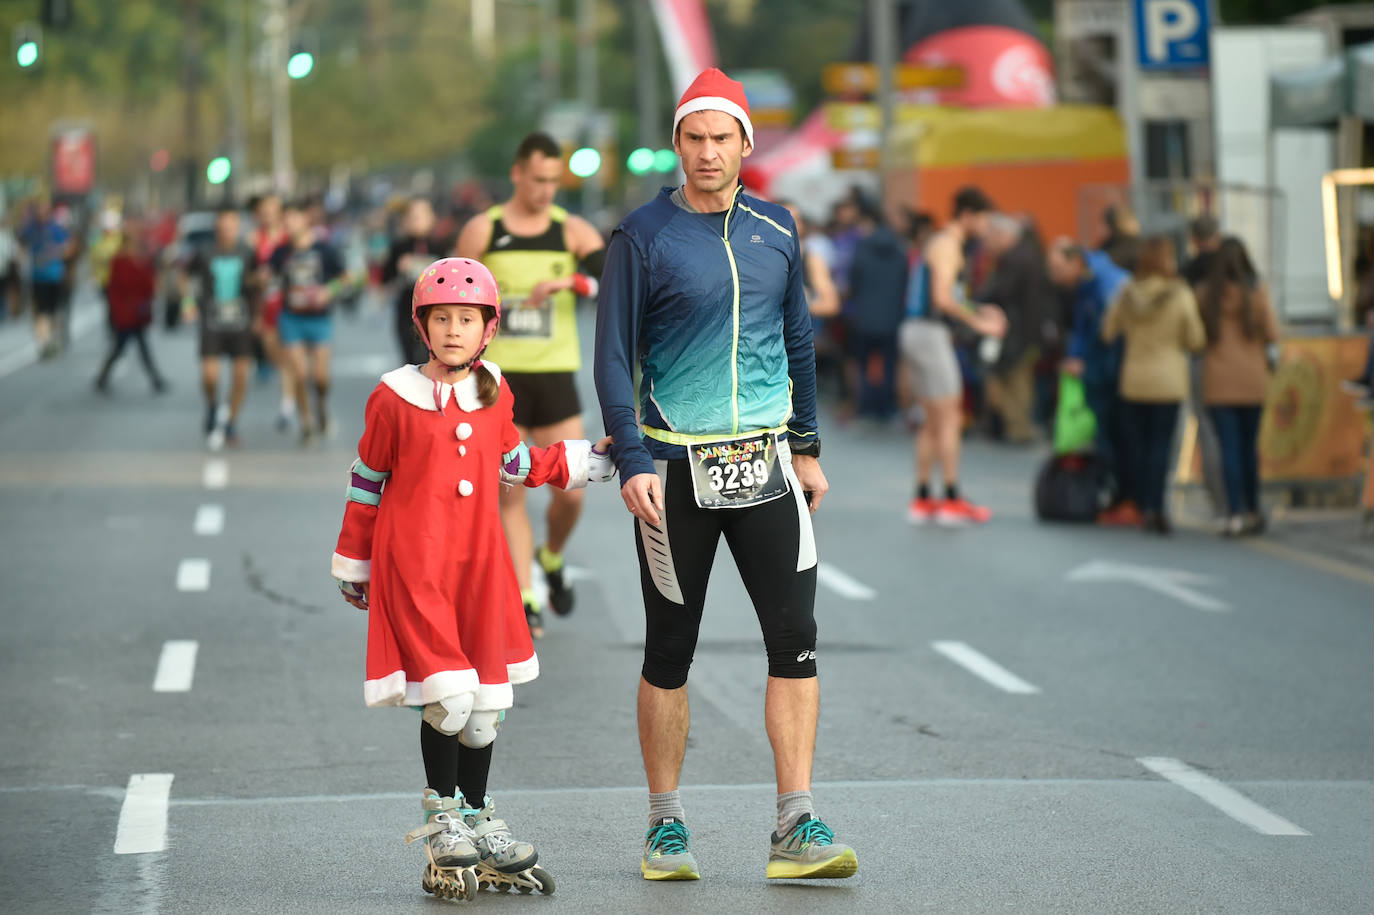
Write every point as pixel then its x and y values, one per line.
pixel 1172 34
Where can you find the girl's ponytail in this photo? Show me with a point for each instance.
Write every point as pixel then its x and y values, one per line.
pixel 488 388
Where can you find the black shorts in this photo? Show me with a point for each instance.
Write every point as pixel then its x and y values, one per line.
pixel 47 298
pixel 543 398
pixel 775 551
pixel 236 344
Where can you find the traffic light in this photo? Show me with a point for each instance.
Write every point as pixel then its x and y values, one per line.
pixel 665 161
pixel 28 45
pixel 217 172
pixel 585 162
pixel 641 161
pixel 304 46
pixel 299 65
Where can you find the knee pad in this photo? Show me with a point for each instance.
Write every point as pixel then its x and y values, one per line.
pixel 792 663
pixel 450 714
pixel 481 729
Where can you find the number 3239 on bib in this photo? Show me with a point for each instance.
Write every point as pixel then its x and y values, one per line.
pixel 737 472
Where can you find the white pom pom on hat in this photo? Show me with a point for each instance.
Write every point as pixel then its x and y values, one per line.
pixel 712 90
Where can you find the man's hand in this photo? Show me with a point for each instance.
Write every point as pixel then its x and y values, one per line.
pixel 543 290
pixel 812 480
pixel 355 592
pixel 643 495
pixel 1072 366
pixel 990 321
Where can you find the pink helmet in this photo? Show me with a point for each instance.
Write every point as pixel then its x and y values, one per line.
pixel 455 281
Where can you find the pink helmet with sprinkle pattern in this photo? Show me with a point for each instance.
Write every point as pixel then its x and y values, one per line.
pixel 455 281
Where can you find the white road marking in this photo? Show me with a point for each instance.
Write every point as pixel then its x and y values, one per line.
pixel 980 665
pixel 143 818
pixel 209 520
pixel 176 668
pixel 216 474
pixel 193 575
pixel 1223 797
pixel 1169 582
pixel 842 584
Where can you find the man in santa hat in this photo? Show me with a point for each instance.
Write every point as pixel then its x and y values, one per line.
pixel 702 294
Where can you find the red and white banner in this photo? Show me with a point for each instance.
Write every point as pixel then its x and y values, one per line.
pixel 687 41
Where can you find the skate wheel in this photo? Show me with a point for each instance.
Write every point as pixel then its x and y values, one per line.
pixel 470 886
pixel 545 879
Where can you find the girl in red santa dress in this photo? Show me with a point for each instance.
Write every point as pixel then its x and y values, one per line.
pixel 422 550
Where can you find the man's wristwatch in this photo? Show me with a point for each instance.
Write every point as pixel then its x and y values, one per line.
pixel 806 447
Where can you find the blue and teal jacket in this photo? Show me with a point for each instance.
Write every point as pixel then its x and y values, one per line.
pixel 709 308
pixel 1092 298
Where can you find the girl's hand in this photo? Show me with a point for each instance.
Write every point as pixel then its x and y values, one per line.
pixel 355 592
pixel 601 467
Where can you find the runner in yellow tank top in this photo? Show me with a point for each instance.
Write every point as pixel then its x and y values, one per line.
pixel 542 258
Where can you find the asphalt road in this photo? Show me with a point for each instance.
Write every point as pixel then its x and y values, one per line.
pixel 1015 718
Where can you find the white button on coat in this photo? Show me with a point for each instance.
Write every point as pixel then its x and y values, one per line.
pixel 462 450
pixel 464 431
pixel 464 487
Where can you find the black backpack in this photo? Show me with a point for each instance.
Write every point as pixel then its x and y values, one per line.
pixel 1072 487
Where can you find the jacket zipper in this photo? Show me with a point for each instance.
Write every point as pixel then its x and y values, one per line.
pixel 734 344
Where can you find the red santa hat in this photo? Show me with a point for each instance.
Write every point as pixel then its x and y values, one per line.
pixel 714 91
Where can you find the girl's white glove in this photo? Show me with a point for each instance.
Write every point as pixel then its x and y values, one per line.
pixel 600 467
pixel 355 592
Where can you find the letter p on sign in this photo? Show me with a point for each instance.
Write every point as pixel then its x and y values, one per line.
pixel 1172 33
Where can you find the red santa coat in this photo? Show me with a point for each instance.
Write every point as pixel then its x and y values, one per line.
pixel 445 613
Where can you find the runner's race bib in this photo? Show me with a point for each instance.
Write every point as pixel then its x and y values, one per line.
pixel 521 320
pixel 229 314
pixel 736 473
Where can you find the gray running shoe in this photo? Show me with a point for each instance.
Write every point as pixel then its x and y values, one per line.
pixel 809 851
pixel 666 853
pixel 498 851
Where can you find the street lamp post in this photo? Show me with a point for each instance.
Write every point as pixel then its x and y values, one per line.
pixel 276 27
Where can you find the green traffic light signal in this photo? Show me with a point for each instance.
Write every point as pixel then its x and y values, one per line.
pixel 26 55
pixel 641 161
pixel 300 65
pixel 217 172
pixel 665 160
pixel 585 162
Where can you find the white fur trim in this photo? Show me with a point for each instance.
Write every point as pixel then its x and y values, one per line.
pixel 417 389
pixel 395 689
pixel 524 671
pixel 578 452
pixel 714 103
pixel 345 568
pixel 493 697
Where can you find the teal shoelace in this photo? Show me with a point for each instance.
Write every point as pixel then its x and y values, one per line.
pixel 669 838
pixel 813 832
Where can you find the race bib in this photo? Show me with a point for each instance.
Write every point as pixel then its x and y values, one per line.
pixel 519 319
pixel 229 313
pixel 302 298
pixel 737 472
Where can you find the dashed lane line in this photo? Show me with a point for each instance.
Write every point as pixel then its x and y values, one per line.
pixel 216 474
pixel 842 584
pixel 176 668
pixel 193 575
pixel 1221 796
pixel 209 520
pixel 143 817
pixel 980 665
